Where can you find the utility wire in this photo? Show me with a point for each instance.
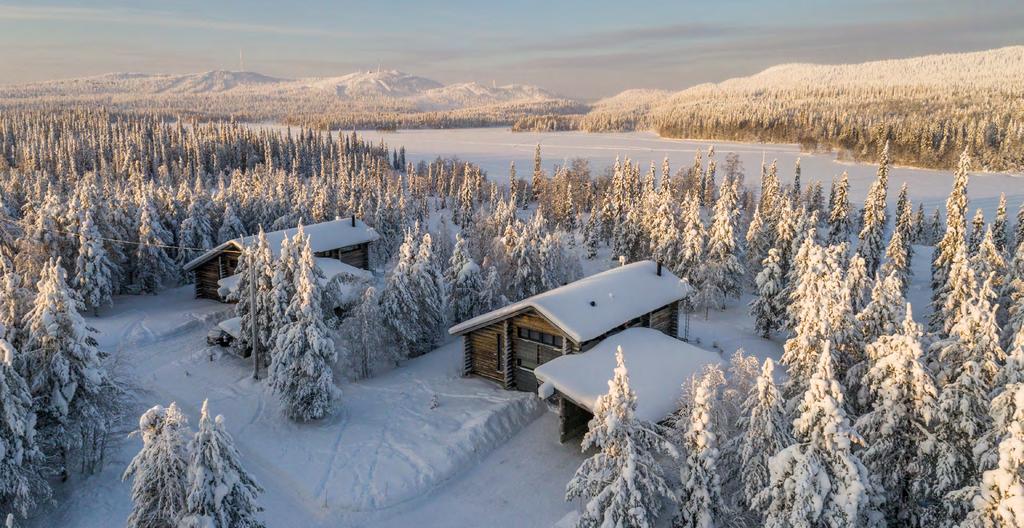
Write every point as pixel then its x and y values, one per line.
pixel 21 224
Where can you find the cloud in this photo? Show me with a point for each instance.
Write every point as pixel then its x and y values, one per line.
pixel 154 18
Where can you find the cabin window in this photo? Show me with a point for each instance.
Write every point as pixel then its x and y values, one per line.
pixel 539 337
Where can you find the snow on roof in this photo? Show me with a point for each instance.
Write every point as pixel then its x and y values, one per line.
pixel 324 236
pixel 232 326
pixel 658 366
pixel 591 306
pixel 331 268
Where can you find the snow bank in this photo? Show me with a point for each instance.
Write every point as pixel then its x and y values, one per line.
pixel 591 306
pixel 658 366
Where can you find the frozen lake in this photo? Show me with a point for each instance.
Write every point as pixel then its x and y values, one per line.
pixel 494 148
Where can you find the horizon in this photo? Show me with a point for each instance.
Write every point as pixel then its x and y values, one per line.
pixel 565 49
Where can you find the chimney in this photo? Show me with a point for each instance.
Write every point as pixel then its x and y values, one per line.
pixel 659 268
pixel 353 219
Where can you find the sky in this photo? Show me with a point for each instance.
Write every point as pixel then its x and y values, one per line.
pixel 583 49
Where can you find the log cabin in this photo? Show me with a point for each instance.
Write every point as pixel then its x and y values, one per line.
pixel 508 344
pixel 346 241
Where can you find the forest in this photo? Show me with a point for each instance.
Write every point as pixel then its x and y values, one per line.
pixel 879 420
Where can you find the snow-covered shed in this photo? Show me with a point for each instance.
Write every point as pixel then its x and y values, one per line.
pixel 658 366
pixel 507 344
pixel 346 240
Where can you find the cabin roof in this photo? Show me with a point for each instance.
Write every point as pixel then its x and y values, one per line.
pixel 592 306
pixel 658 365
pixel 330 268
pixel 324 236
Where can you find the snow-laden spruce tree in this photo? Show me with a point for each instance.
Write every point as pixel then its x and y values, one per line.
pixel 999 500
pixel 467 291
pixel 989 260
pixel 230 225
pixel 664 231
pixel 63 369
pixel 977 232
pixel 875 216
pixel 93 269
pixel 300 369
pixel 857 282
pixel 692 253
pixel 15 301
pixel 159 470
pixel 884 314
pixel 960 286
pixel 195 231
pixel 1013 295
pixel 766 432
pixel 967 362
pixel 722 270
pixel 700 494
pixel 901 398
pixel 839 227
pixel 399 304
pixel 429 292
pixel 152 265
pixel 622 483
pixel 769 307
pixel 219 492
pixel 22 481
pixel 953 242
pixel 365 340
pixel 282 291
pixel 758 242
pixel 897 259
pixel 819 480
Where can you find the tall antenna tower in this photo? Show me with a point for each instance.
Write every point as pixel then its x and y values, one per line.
pixel 241 62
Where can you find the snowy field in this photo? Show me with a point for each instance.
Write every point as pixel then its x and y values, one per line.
pixel 494 148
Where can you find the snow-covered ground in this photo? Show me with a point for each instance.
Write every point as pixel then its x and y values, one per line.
pixel 384 447
pixel 494 148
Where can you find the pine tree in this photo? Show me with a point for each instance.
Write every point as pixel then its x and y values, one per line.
pixel 999 225
pixel 953 242
pixel 93 269
pixel 63 368
pixel 22 482
pixel 700 498
pixel 622 483
pixel 968 364
pixel 839 213
pixel 766 432
pixel 693 236
pixel 902 404
pixel 219 492
pixel 819 480
pixel 429 289
pixel 152 265
pixel 723 270
pixel 769 307
pixel 899 254
pixel 875 216
pixel 159 470
pixel 230 226
pixel 399 305
pixel 300 369
pixel 857 282
pixel 999 501
pixel 977 232
pixel 883 315
pixel 989 261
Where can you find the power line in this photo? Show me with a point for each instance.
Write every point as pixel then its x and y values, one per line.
pixel 23 225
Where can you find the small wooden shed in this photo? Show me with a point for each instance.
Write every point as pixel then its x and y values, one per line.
pixel 507 344
pixel 346 240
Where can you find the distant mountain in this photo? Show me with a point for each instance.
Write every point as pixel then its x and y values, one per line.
pixel 370 84
pixel 389 89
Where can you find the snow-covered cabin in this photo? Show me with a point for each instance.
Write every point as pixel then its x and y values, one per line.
pixel 345 240
pixel 658 366
pixel 507 344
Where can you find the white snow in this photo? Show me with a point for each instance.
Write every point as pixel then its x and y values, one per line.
pixel 658 366
pixel 324 236
pixel 591 306
pixel 331 268
pixel 232 326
